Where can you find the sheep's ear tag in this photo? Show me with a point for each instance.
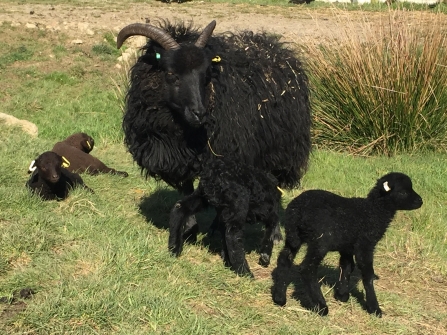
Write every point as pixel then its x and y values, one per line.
pixel 89 145
pixel 280 190
pixel 157 56
pixel 386 187
pixel 216 59
pixel 65 162
pixel 32 167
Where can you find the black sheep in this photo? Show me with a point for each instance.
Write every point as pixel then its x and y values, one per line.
pixel 194 97
pixel 239 194
pixel 50 180
pixel 76 148
pixel 351 226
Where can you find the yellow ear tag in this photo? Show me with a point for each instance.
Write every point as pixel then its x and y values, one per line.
pixel 89 145
pixel 65 163
pixel 216 59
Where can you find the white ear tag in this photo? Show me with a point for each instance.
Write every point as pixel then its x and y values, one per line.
pixel 65 163
pixel 89 145
pixel 386 187
pixel 32 167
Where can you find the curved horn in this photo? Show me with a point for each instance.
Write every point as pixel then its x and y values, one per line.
pixel 205 35
pixel 158 35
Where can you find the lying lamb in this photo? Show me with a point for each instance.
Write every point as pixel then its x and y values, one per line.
pixel 351 226
pixel 76 149
pixel 239 194
pixel 50 180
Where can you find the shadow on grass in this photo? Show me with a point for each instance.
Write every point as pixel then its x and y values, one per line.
pixel 157 206
pixel 328 276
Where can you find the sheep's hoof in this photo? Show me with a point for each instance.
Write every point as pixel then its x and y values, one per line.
pixel 122 174
pixel 264 260
pixel 343 297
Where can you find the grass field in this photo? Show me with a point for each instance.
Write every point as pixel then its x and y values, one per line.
pixel 98 263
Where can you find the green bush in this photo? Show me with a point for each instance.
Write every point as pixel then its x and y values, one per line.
pixel 381 89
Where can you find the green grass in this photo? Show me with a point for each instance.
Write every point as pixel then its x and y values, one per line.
pixel 381 89
pixel 99 262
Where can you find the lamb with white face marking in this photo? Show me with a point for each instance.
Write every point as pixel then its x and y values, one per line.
pixel 50 180
pixel 352 226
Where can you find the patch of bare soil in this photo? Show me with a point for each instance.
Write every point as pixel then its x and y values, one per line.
pixel 291 22
pixel 14 305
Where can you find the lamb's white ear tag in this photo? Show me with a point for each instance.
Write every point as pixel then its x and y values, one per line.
pixel 89 145
pixel 65 162
pixel 32 167
pixel 386 187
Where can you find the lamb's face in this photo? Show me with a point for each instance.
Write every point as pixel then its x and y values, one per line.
pixel 49 166
pixel 398 187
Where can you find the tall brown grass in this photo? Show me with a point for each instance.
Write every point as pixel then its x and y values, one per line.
pixel 381 87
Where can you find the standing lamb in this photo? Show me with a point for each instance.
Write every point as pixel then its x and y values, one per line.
pixel 76 148
pixel 194 97
pixel 50 180
pixel 351 226
pixel 239 194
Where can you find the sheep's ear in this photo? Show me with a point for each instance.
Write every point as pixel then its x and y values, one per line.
pixel 65 162
pixel 386 187
pixel 32 167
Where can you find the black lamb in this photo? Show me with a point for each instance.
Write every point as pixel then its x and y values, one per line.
pixel 194 97
pixel 351 226
pixel 76 148
pixel 50 180
pixel 239 194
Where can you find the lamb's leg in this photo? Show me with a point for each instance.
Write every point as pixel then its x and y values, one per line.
pixel 179 215
pixel 364 260
pixel 281 273
pixel 271 224
pixel 191 228
pixel 346 267
pixel 234 218
pixel 309 268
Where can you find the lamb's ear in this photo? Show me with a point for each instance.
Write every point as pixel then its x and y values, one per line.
pixel 32 167
pixel 386 187
pixel 65 162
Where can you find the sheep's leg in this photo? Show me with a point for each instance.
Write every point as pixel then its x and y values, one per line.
pixel 364 260
pixel 179 215
pixel 309 268
pixel 346 267
pixel 271 225
pixel 281 273
pixel 191 228
pixel 234 220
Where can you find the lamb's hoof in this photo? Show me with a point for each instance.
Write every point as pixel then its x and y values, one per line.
pixel 175 250
pixel 264 260
pixel 123 174
pixel 376 311
pixel 343 297
pixel 322 310
pixel 279 298
pixel 191 230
